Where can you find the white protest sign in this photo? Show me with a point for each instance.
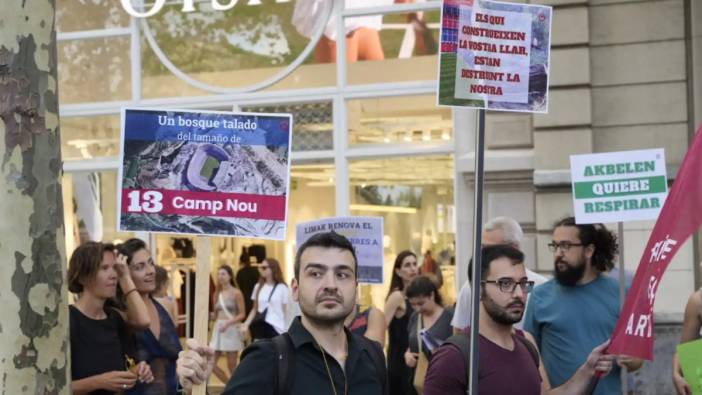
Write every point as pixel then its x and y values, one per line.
pixel 618 186
pixel 366 235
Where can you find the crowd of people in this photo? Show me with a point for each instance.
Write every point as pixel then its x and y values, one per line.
pixel 536 335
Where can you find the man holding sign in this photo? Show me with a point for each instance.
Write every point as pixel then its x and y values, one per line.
pixel 317 355
pixel 578 309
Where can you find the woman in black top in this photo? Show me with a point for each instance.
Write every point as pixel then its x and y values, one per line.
pixel 397 312
pixel 99 361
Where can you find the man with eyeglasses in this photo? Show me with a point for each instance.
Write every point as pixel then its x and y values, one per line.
pixel 509 362
pixel 498 230
pixel 579 308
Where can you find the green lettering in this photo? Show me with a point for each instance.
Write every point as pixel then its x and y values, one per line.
pixel 588 207
pixel 599 170
pixel 655 203
pixel 611 169
pixel 588 171
pixel 621 168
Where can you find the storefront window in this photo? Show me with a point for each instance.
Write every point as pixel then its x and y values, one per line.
pixel 398 47
pixel 414 195
pixel 313 124
pixel 398 120
pixel 77 15
pixel 241 47
pixel 90 137
pixel 90 208
pixel 94 70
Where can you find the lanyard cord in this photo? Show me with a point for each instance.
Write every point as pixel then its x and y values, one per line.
pixel 331 380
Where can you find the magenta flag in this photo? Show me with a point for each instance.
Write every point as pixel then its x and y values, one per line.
pixel 680 217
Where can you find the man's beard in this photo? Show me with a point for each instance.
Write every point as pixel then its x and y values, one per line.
pixel 314 312
pixel 569 276
pixel 500 314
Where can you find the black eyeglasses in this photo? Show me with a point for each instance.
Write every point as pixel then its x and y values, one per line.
pixel 507 285
pixel 564 246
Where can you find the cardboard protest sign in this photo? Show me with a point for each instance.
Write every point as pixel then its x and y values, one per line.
pixel 494 55
pixel 618 186
pixel 690 356
pixel 366 235
pixel 205 173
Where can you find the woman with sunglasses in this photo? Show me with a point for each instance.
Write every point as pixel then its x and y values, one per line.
pixel 271 297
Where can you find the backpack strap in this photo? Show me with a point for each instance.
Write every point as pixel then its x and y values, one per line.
pixel 462 342
pixel 529 346
pixel 285 366
pixel 378 358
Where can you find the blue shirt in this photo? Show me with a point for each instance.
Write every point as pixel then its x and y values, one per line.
pixel 568 322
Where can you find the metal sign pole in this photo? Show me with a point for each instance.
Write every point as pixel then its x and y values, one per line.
pixel 477 235
pixel 202 290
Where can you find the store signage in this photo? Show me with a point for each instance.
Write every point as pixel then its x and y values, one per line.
pixel 188 6
pixel 618 186
pixel 366 235
pixel 494 55
pixel 213 173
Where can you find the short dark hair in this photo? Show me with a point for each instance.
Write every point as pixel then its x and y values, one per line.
pixel 493 252
pixel 326 240
pixel 85 262
pixel 604 241
pixel 130 247
pixel 422 285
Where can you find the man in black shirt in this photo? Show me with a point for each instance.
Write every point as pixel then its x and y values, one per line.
pixel 322 356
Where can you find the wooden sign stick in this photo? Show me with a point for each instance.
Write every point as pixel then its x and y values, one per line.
pixel 202 293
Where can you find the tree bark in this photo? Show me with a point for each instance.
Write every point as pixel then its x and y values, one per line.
pixel 33 296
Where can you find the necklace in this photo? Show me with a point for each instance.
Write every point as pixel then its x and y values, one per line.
pixel 331 379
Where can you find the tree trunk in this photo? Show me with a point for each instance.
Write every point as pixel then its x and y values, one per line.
pixel 33 313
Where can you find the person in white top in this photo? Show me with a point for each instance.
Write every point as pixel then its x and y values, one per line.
pixel 270 315
pixel 499 230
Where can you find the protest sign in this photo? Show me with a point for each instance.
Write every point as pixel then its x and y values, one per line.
pixel 680 217
pixel 494 55
pixel 366 235
pixel 690 356
pixel 618 186
pixel 205 173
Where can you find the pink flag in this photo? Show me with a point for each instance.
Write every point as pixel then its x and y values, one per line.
pixel 680 217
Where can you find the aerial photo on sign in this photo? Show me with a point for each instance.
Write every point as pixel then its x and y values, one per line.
pixel 203 173
pixel 494 55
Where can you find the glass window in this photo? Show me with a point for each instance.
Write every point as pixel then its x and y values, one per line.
pixel 90 208
pixel 398 120
pixel 234 49
pixel 94 70
pixel 393 48
pixel 76 15
pixel 90 137
pixel 414 195
pixel 313 125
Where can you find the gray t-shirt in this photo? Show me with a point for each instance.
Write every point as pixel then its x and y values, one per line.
pixel 435 335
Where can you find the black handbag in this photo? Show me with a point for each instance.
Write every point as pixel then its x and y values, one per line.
pixel 259 327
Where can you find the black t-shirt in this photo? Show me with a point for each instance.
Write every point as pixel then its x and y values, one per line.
pixel 97 346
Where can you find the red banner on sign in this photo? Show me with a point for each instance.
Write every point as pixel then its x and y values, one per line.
pixel 680 217
pixel 203 204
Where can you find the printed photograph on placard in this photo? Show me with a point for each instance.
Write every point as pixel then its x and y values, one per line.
pixel 494 55
pixel 205 173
